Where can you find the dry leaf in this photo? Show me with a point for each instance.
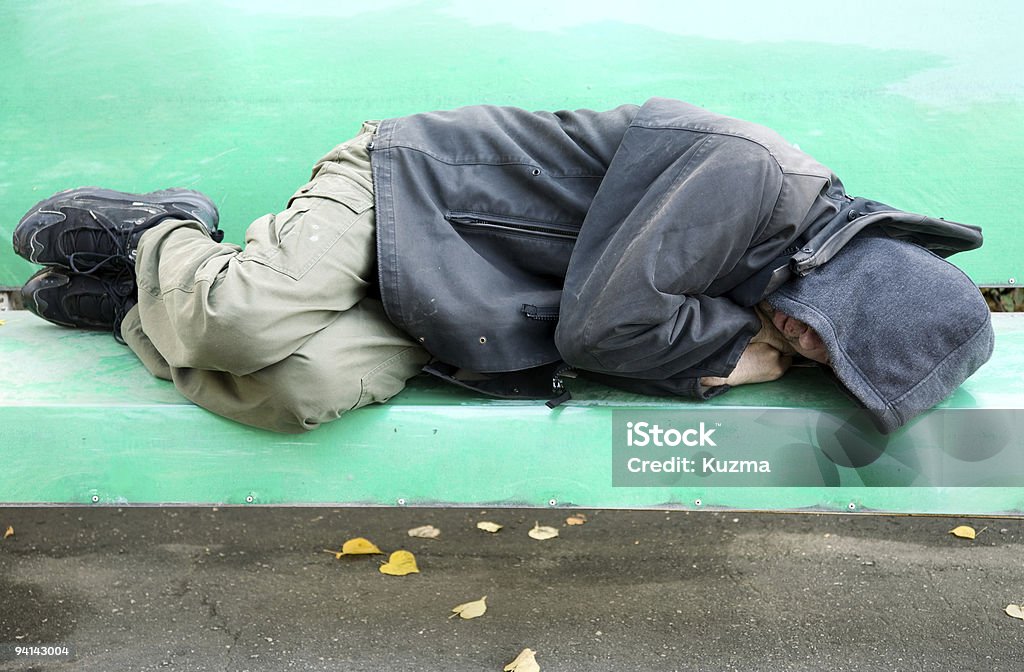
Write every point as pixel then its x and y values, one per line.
pixel 3 322
pixel 399 564
pixel 524 662
pixel 964 532
pixel 425 532
pixel 1015 610
pixel 576 519
pixel 543 532
pixel 470 609
pixel 360 546
pixel 9 532
pixel 488 526
pixel 357 546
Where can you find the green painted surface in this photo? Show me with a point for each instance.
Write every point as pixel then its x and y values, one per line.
pixel 80 418
pixel 919 104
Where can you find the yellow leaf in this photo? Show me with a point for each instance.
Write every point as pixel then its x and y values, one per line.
pixel 360 546
pixel 489 527
pixel 1015 610
pixel 524 662
pixel 3 322
pixel 425 532
pixel 470 609
pixel 9 532
pixel 357 546
pixel 543 532
pixel 399 564
pixel 964 532
pixel 576 519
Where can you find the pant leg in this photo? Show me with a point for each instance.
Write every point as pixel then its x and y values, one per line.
pixel 279 335
pixel 215 306
pixel 358 359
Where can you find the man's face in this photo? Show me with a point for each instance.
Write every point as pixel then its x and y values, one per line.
pixel 800 337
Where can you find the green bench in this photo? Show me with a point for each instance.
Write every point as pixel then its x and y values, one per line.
pixel 139 97
pixel 84 423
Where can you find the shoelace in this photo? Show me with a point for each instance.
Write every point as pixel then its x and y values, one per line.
pixel 88 263
pixel 93 261
pixel 119 289
pixel 123 293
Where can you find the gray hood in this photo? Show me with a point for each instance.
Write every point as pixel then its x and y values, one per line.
pixel 903 327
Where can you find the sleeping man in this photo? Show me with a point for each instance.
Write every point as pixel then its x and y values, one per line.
pixel 659 248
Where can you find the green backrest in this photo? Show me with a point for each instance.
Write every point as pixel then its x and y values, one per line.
pixel 918 104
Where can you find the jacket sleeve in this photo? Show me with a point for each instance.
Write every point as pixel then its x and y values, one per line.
pixel 636 301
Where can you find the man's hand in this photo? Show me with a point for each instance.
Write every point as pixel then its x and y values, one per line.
pixel 789 335
pixel 759 363
pixel 769 333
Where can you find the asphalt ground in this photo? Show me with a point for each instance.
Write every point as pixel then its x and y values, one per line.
pixel 252 589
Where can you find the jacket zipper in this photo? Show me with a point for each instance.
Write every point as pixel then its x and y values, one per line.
pixel 558 387
pixel 540 312
pixel 482 221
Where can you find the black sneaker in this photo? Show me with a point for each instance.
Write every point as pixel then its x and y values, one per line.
pixel 80 300
pixel 87 228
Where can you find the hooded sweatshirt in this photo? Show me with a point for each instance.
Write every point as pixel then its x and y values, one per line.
pixel 902 326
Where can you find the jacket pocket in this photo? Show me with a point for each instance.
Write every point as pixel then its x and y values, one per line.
pixel 515 226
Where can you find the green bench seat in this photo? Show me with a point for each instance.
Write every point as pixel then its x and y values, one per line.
pixel 82 422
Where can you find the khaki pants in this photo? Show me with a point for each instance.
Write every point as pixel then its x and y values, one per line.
pixel 280 334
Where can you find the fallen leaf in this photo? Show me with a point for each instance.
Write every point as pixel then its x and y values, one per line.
pixel 489 527
pixel 425 532
pixel 576 519
pixel 360 546
pixel 964 532
pixel 543 532
pixel 524 662
pixel 470 609
pixel 1015 610
pixel 3 322
pixel 9 532
pixel 399 564
pixel 357 546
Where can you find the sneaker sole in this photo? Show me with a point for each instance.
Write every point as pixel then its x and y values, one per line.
pixel 188 203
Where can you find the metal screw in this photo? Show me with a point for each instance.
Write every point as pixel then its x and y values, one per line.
pixel 401 501
pixel 483 339
pixel 552 502
pixel 697 502
pixel 95 498
pixel 249 499
pixel 1013 281
pixel 851 506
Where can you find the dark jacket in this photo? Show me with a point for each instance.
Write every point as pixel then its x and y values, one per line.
pixel 663 223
